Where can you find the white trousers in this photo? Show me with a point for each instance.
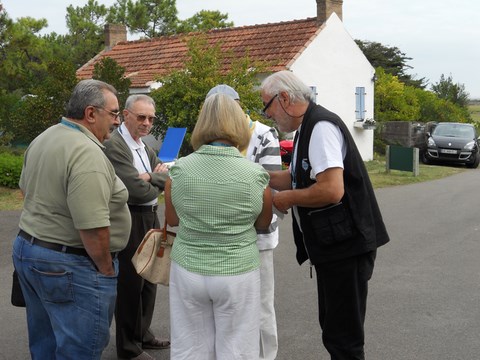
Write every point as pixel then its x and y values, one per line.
pixel 268 321
pixel 214 317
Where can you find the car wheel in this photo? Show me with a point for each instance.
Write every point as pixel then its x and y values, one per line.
pixel 424 158
pixel 474 163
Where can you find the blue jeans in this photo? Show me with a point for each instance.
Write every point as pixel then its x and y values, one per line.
pixel 69 304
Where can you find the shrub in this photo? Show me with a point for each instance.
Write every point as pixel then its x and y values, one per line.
pixel 10 169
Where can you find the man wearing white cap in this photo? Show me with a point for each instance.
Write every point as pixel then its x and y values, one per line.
pixel 263 149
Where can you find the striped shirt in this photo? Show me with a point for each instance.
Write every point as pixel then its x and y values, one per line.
pixel 218 196
pixel 264 149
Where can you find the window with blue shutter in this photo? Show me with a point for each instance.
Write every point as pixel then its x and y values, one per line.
pixel 360 103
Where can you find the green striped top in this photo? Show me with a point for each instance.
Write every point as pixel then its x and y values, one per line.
pixel 218 195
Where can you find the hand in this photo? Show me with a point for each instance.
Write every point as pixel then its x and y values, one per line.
pixel 281 201
pixel 160 168
pixel 145 176
pixel 108 271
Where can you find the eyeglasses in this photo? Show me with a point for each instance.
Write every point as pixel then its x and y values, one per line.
pixel 115 114
pixel 142 117
pixel 267 105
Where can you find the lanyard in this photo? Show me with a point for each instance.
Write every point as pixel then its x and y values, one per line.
pixel 71 125
pixel 140 156
pixel 136 150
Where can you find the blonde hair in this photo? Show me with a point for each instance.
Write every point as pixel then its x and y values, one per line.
pixel 221 118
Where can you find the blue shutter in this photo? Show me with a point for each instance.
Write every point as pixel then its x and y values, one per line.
pixel 360 103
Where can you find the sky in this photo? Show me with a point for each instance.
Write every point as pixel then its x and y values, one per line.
pixel 441 37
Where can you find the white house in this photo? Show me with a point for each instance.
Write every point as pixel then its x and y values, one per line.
pixel 319 50
pixel 343 78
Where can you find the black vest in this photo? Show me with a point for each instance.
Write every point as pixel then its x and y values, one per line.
pixel 352 227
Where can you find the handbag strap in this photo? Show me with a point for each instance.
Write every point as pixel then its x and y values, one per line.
pixel 165 228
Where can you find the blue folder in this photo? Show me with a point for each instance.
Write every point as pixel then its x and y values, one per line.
pixel 172 142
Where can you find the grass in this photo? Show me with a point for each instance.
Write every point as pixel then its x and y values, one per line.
pixel 11 199
pixel 474 110
pixel 380 178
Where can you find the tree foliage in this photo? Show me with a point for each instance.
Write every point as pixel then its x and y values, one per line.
pixel 109 71
pixel 35 78
pixel 86 30
pixel 23 54
pixel 433 108
pixel 204 20
pixel 391 59
pixel 179 100
pixel 394 100
pixel 152 18
pixel 45 106
pixel 37 73
pixel 446 89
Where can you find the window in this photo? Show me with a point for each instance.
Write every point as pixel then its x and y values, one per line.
pixel 360 103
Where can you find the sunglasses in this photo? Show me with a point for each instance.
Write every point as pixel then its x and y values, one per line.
pixel 142 117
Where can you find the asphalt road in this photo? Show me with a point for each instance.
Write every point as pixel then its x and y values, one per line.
pixel 424 295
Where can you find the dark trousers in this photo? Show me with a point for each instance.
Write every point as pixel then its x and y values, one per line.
pixel 135 296
pixel 342 301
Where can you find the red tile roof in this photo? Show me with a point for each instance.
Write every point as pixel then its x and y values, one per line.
pixel 277 44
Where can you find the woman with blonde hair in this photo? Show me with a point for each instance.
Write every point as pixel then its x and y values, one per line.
pixel 217 198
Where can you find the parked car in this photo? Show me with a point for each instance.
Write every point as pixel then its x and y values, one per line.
pixel 453 143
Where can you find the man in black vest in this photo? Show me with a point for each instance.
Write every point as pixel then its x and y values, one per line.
pixel 337 223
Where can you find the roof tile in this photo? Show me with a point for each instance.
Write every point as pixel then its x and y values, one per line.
pixel 277 44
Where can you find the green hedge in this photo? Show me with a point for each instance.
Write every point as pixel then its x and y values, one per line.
pixel 10 169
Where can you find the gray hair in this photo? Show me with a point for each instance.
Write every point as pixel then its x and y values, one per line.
pixel 87 93
pixel 286 81
pixel 132 99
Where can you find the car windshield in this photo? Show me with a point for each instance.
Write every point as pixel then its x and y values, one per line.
pixel 454 130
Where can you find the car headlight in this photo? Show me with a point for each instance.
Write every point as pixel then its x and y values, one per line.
pixel 469 146
pixel 431 143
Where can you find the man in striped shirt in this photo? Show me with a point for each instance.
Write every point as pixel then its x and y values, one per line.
pixel 264 149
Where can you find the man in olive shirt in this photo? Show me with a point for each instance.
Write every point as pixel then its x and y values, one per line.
pixel 144 176
pixel 74 220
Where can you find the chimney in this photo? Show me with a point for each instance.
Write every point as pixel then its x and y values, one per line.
pixel 114 33
pixel 325 8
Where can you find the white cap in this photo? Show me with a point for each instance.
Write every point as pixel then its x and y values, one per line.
pixel 224 89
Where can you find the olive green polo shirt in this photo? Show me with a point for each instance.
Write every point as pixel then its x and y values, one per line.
pixel 70 185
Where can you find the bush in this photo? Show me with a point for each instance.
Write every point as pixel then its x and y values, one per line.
pixel 10 169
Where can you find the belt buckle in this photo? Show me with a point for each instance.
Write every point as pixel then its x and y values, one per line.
pixel 154 208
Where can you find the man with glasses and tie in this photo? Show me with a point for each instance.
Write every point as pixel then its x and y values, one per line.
pixel 74 220
pixel 144 176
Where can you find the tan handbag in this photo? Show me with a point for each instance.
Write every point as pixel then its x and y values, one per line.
pixel 152 258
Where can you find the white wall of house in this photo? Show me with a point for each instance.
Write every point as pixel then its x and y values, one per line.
pixel 336 66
